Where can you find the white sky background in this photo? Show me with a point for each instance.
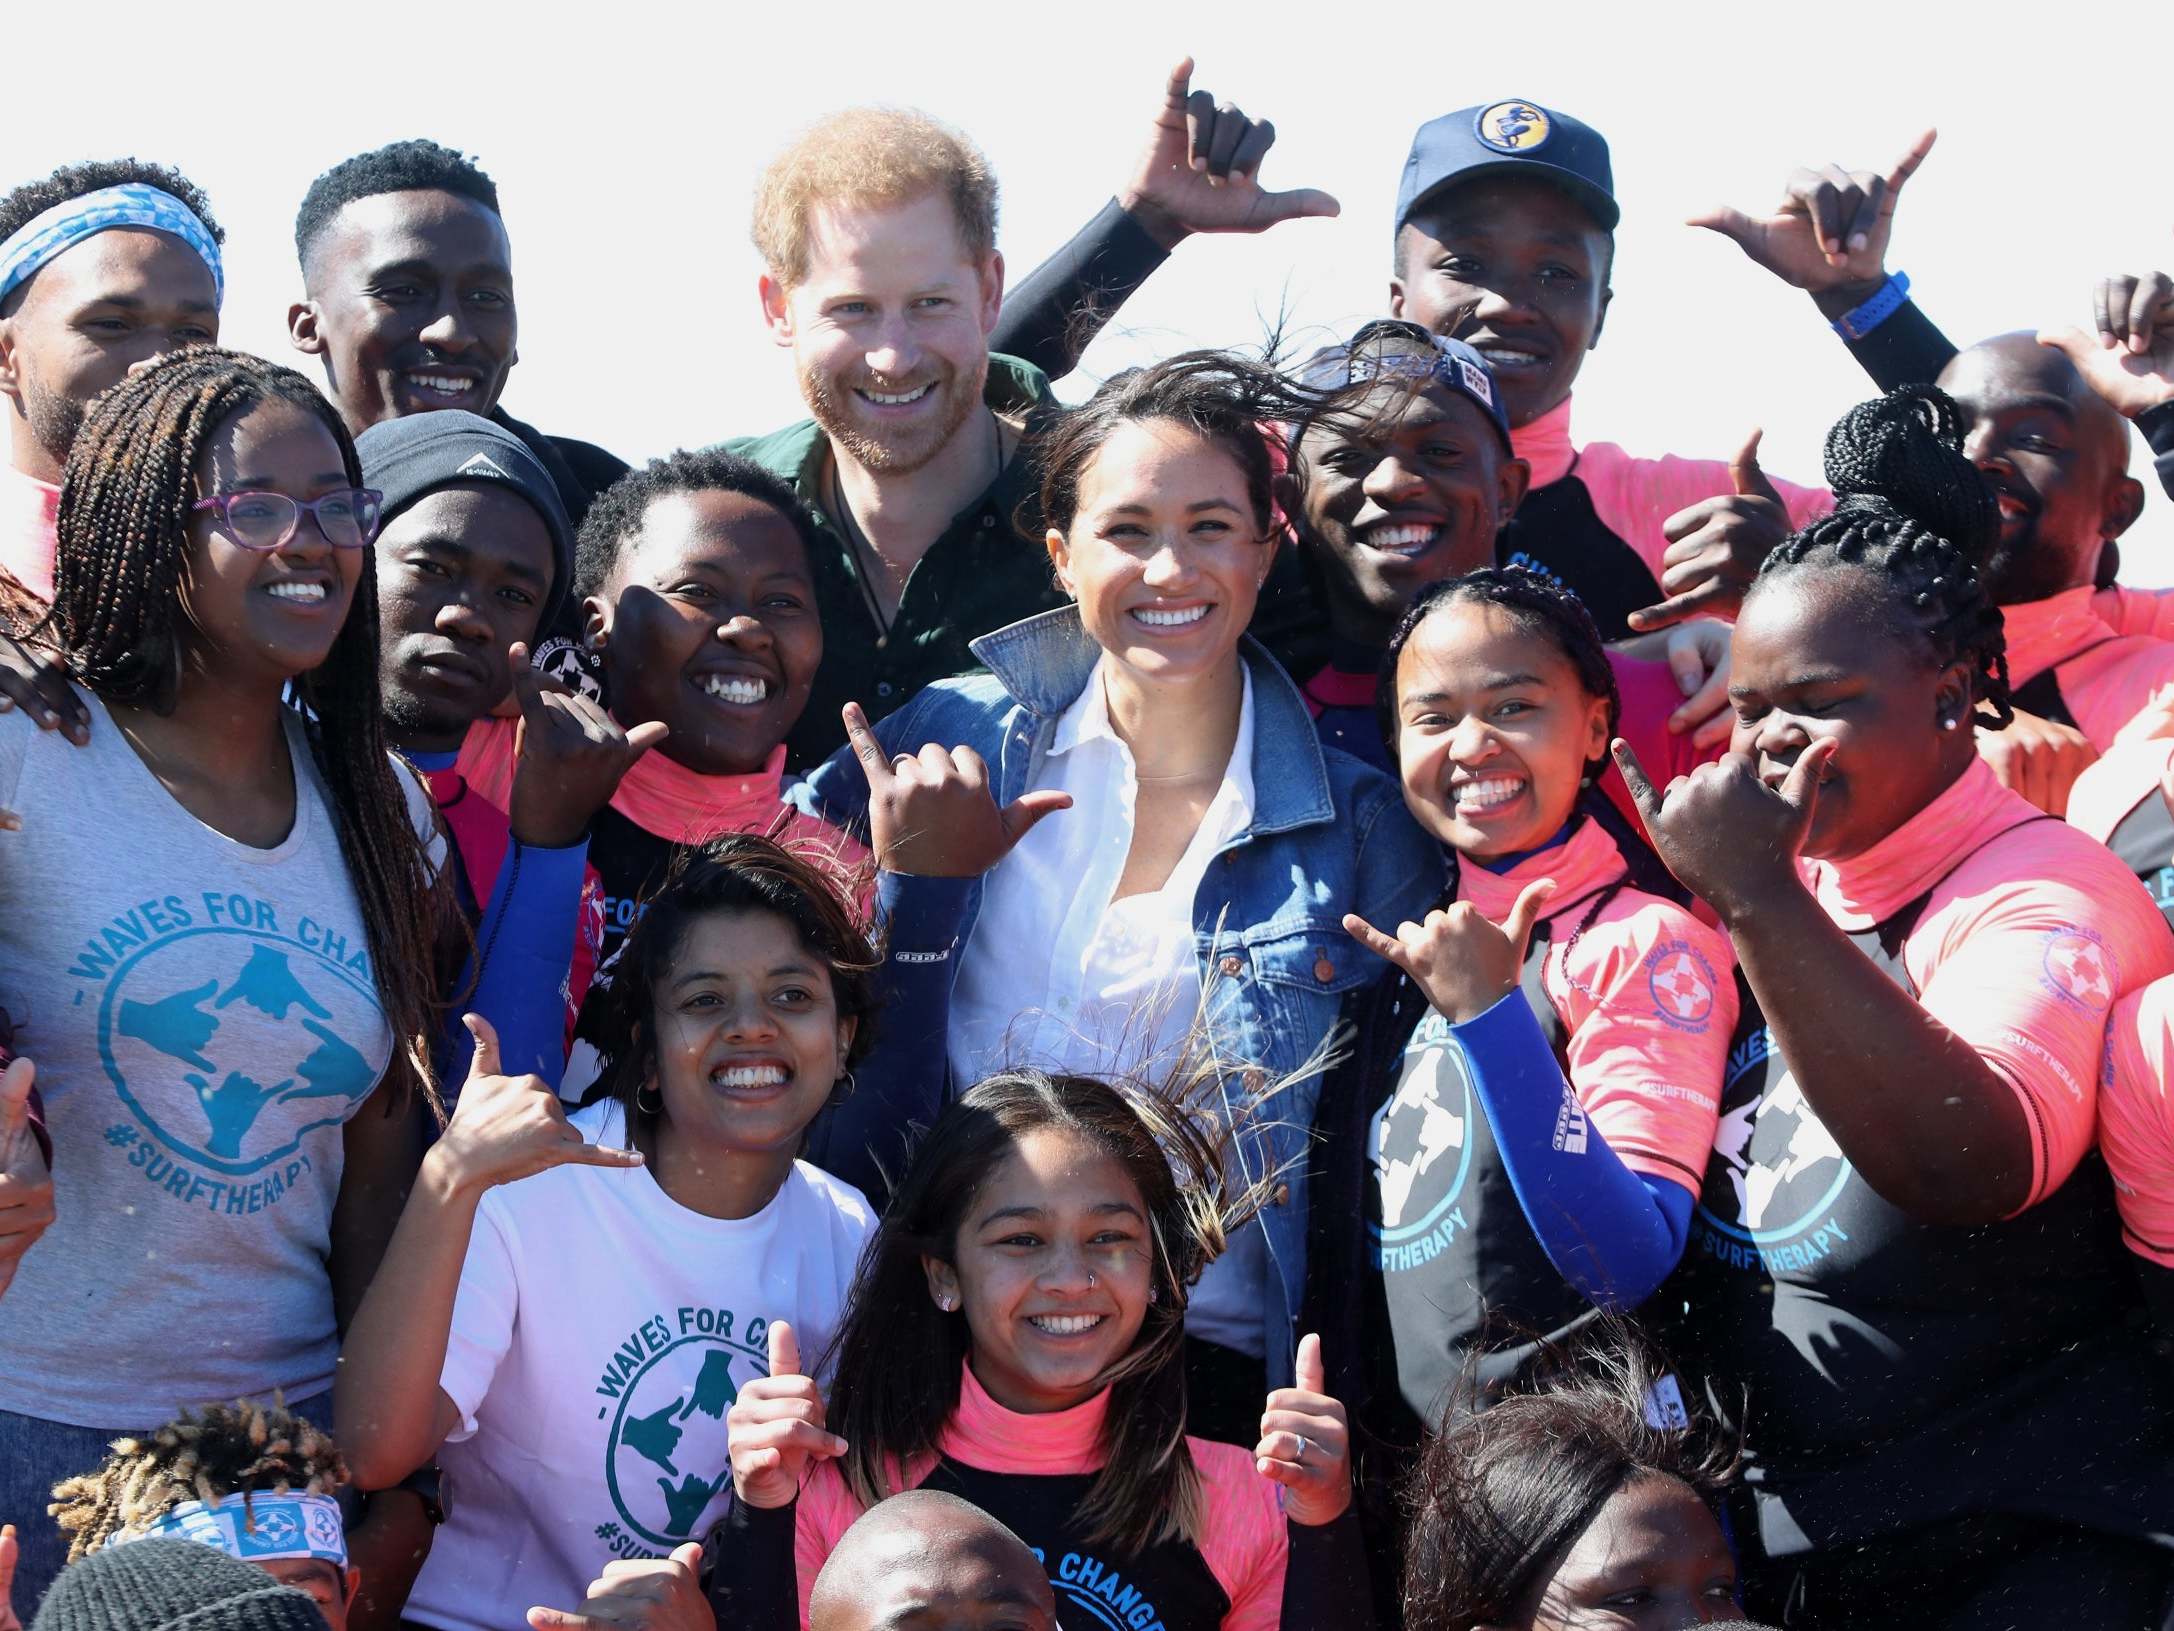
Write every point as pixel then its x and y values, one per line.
pixel 625 139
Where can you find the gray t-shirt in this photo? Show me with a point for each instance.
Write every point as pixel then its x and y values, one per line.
pixel 203 1019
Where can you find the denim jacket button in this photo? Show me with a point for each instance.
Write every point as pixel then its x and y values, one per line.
pixel 1282 1196
pixel 1232 964
pixel 1323 969
pixel 1255 1078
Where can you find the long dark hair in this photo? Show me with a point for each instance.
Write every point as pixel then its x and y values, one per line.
pixel 898 1357
pixel 124 551
pixel 1498 1498
pixel 739 872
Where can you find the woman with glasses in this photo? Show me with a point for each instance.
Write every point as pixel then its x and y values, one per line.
pixel 218 926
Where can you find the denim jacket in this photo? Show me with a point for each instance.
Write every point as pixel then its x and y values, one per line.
pixel 1328 835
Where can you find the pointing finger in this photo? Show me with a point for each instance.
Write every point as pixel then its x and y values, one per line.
pixel 875 763
pixel 485 1062
pixel 1312 1374
pixel 1634 777
pixel 1381 945
pixel 1906 167
pixel 784 1350
pixel 1800 788
pixel 1517 927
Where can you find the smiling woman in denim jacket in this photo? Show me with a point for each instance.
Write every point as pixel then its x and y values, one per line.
pixel 1128 827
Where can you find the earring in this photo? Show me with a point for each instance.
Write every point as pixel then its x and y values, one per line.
pixel 1154 1294
pixel 1090 1279
pixel 947 1302
pixel 843 1086
pixel 643 1109
pixel 1949 723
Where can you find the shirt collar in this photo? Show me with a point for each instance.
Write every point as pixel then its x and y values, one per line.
pixel 1088 720
pixel 1872 886
pixel 1581 864
pixel 1545 444
pixel 2042 634
pixel 982 1433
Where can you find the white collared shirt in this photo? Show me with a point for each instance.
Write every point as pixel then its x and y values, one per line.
pixel 1060 976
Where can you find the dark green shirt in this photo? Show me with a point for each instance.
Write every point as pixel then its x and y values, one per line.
pixel 983 573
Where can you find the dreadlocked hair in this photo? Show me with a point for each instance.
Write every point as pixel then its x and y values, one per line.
pixel 1912 509
pixel 1538 600
pixel 117 620
pixel 238 1449
pixel 899 1358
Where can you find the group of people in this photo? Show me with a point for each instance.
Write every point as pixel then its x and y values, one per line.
pixel 1285 997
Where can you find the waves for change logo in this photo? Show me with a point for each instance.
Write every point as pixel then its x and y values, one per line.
pixel 666 1390
pixel 248 1011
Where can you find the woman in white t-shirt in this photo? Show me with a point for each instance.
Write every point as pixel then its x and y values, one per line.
pixel 217 926
pixel 573 1341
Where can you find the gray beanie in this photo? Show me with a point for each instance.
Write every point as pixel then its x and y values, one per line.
pixel 172 1585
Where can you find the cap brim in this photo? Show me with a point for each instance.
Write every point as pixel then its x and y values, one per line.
pixel 1598 204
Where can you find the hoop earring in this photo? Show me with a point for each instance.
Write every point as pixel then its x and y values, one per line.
pixel 643 1109
pixel 843 1087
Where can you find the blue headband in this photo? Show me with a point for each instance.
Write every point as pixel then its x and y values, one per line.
pixel 256 1527
pixel 68 223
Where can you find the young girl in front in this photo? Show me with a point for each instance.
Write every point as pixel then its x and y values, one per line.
pixel 1906 1255
pixel 574 1340
pixel 1017 1339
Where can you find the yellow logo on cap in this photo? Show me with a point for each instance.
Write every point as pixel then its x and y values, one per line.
pixel 1515 127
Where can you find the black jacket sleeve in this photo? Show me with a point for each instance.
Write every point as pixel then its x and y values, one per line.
pixel 1907 349
pixel 1050 319
pixel 1325 1577
pixel 2157 424
pixel 752 1585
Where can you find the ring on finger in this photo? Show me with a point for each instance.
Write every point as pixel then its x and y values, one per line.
pixel 1303 1441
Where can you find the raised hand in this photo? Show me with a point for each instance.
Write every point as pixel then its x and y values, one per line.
pixel 570 756
pixel 1463 963
pixel 1306 1443
pixel 775 1427
pixel 1698 654
pixel 1199 170
pixel 1728 837
pixel 932 814
pixel 637 1594
pixel 2130 359
pixel 1830 230
pixel 506 1128
pixel 26 1182
pixel 1716 547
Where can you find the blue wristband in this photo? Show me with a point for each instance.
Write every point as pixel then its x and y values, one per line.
pixel 1885 302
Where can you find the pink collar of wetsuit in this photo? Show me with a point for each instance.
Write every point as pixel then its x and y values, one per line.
pixel 1545 444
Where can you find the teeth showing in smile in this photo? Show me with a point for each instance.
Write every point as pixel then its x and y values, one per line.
pixel 745 692
pixel 749 1076
pixel 1404 538
pixel 1170 620
pixel 1503 356
pixel 1064 1325
pixel 442 384
pixel 1485 794
pixel 895 399
pixel 309 593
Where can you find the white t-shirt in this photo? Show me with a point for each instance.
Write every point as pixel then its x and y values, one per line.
pixel 204 1020
pixel 601 1333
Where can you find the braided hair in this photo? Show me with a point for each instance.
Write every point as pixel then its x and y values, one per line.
pixel 1538 600
pixel 239 1449
pixel 124 548
pixel 1912 509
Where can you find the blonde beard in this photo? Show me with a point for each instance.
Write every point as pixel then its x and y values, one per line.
pixel 835 415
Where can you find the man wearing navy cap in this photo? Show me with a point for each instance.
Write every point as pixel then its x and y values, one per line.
pixel 1504 239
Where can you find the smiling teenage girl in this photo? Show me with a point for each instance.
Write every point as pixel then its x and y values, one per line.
pixel 1903 1249
pixel 1018 1339
pixel 220 928
pixel 572 1341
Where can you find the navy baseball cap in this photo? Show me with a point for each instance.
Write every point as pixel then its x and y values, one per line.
pixel 1363 359
pixel 1510 138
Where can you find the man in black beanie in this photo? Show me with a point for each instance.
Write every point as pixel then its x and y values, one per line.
pixel 168 1585
pixel 473 555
